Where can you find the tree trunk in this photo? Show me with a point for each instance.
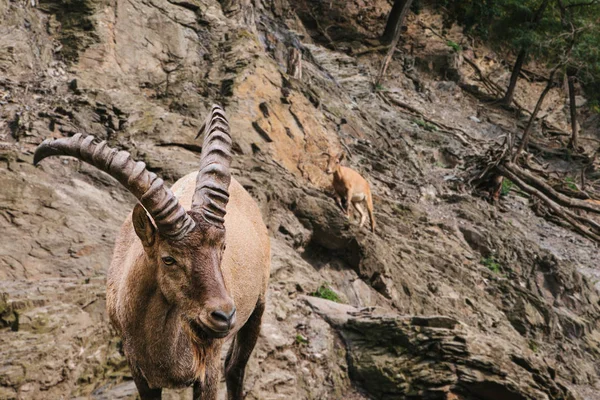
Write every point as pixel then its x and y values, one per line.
pixel 404 6
pixel 527 130
pixel 394 21
pixel 510 92
pixel 573 107
pixel 514 77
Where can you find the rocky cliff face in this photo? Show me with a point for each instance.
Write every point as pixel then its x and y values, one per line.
pixel 452 298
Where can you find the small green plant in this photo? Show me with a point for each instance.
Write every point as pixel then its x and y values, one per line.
pixel 300 340
pixel 595 106
pixel 507 186
pixel 492 264
pixel 455 46
pixel 533 346
pixel 379 87
pixel 325 292
pixel 570 182
pixel 428 126
pixel 400 209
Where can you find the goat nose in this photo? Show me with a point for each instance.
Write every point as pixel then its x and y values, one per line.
pixel 223 320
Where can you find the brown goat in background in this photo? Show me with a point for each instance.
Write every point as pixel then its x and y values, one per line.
pixel 349 185
pixel 188 272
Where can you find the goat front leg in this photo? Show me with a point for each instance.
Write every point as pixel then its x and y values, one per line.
pixel 349 195
pixel 142 386
pixel 239 353
pixel 361 211
pixel 340 202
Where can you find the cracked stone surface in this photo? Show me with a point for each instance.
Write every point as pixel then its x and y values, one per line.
pixel 421 316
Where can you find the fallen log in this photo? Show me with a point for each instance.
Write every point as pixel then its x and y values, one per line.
pixel 566 215
pixel 538 183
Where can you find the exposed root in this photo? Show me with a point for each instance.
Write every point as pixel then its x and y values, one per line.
pixel 488 171
pixel 559 211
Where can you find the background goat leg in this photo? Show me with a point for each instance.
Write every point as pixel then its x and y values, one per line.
pixel 349 196
pixel 142 386
pixel 340 202
pixel 239 353
pixel 363 215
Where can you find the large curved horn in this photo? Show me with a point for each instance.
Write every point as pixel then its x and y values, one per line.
pixel 170 217
pixel 212 185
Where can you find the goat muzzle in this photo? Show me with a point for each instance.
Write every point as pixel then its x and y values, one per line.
pixel 215 323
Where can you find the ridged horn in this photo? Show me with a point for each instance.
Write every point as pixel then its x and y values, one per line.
pixel 169 216
pixel 212 185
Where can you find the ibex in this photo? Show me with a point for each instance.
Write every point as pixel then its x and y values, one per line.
pixel 348 185
pixel 188 272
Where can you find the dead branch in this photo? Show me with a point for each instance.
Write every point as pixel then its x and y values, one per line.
pixel 538 105
pixel 564 153
pixel 395 40
pixel 321 30
pixel 487 171
pixel 495 88
pixel 533 76
pixel 566 215
pixel 457 132
pixel 546 188
pixel 371 50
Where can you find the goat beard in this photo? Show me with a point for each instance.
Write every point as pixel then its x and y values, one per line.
pixel 206 354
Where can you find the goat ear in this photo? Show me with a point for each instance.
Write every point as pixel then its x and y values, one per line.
pixel 342 155
pixel 143 225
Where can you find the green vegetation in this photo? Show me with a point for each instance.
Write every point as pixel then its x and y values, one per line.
pixel 533 346
pixel 300 340
pixel 325 292
pixel 507 186
pixel 563 33
pixel 492 264
pixel 570 182
pixel 595 106
pixel 455 46
pixel 379 87
pixel 425 125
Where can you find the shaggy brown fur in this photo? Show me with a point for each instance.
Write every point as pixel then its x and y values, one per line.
pixel 176 291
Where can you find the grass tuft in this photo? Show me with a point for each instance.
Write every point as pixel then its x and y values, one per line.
pixel 492 264
pixel 570 182
pixel 533 346
pixel 425 125
pixel 300 340
pixel 507 186
pixel 325 292
pixel 455 46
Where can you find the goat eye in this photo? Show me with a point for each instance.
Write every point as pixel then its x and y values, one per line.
pixel 168 260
